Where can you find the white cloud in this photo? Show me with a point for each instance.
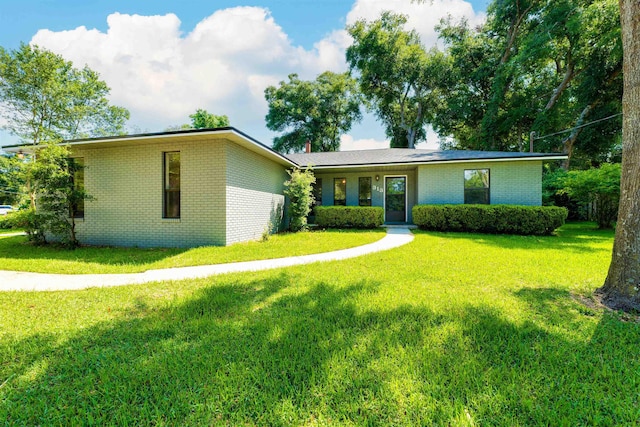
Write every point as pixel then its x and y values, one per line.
pixel 224 64
pixel 422 17
pixel 348 143
pixel 162 75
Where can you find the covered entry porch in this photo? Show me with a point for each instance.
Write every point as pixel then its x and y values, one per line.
pixel 392 188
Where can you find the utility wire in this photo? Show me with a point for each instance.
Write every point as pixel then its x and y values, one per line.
pixel 577 127
pixel 11 192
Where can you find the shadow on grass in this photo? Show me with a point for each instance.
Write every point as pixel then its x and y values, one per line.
pixel 17 247
pixel 570 237
pixel 266 352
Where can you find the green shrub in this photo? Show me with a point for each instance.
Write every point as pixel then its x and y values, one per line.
pixel 496 219
pixel 349 216
pixel 5 222
pixel 299 190
pixel 597 191
pixel 31 222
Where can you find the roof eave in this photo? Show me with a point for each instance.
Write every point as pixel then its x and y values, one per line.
pixel 231 133
pixel 435 162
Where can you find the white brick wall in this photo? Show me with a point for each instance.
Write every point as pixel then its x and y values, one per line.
pixel 512 183
pixel 254 194
pixel 126 183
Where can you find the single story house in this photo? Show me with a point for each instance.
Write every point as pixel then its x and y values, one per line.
pixel 220 186
pixel 399 178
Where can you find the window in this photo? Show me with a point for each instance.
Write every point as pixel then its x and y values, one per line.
pixel 171 185
pixel 364 191
pixel 476 186
pixel 317 192
pixel 340 191
pixel 76 165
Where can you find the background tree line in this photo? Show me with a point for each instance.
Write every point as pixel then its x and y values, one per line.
pixel 533 66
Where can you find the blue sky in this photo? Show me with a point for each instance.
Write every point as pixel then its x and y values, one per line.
pixel 175 57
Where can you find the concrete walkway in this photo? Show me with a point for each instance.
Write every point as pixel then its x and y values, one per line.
pixel 25 281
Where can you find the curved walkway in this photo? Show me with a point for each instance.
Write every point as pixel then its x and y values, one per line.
pixel 25 281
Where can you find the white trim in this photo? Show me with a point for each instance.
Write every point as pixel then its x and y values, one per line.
pixel 436 162
pixel 384 194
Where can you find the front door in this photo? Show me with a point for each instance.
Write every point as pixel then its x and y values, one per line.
pixel 395 199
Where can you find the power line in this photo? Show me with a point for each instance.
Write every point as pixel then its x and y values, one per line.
pixel 578 127
pixel 11 192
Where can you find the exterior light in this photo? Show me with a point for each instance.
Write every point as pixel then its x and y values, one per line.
pixel 20 155
pixel 377 177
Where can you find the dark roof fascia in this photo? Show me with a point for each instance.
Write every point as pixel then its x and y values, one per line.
pixel 541 157
pixel 165 133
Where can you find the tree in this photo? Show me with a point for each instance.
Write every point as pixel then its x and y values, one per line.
pixel 318 111
pixel 10 180
pixel 598 189
pixel 55 177
pixel 396 75
pixel 44 98
pixel 621 288
pixel 535 66
pixel 299 190
pixel 202 119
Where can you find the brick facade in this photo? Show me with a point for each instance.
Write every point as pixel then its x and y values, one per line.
pixel 219 204
pixel 254 190
pixel 231 187
pixel 511 183
pixel 377 193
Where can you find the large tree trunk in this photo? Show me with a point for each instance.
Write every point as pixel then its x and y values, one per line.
pixel 621 289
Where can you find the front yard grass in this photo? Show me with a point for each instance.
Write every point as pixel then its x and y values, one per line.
pixel 16 254
pixel 10 230
pixel 452 329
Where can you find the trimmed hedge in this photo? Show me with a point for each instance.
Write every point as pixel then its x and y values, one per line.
pixel 349 216
pixel 494 219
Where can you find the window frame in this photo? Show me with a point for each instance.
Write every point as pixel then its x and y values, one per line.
pixel 317 192
pixel 369 200
pixel 470 198
pixel 78 208
pixel 166 183
pixel 339 202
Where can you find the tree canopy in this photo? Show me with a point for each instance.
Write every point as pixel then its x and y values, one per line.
pixel 44 98
pixel 319 111
pixel 396 75
pixel 535 66
pixel 202 119
pixel 10 180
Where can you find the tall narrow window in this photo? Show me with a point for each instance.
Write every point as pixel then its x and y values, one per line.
pixel 77 169
pixel 476 186
pixel 172 185
pixel 317 192
pixel 339 191
pixel 364 191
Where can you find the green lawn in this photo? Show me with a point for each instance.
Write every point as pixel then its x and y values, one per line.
pixel 16 254
pixel 10 231
pixel 452 329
